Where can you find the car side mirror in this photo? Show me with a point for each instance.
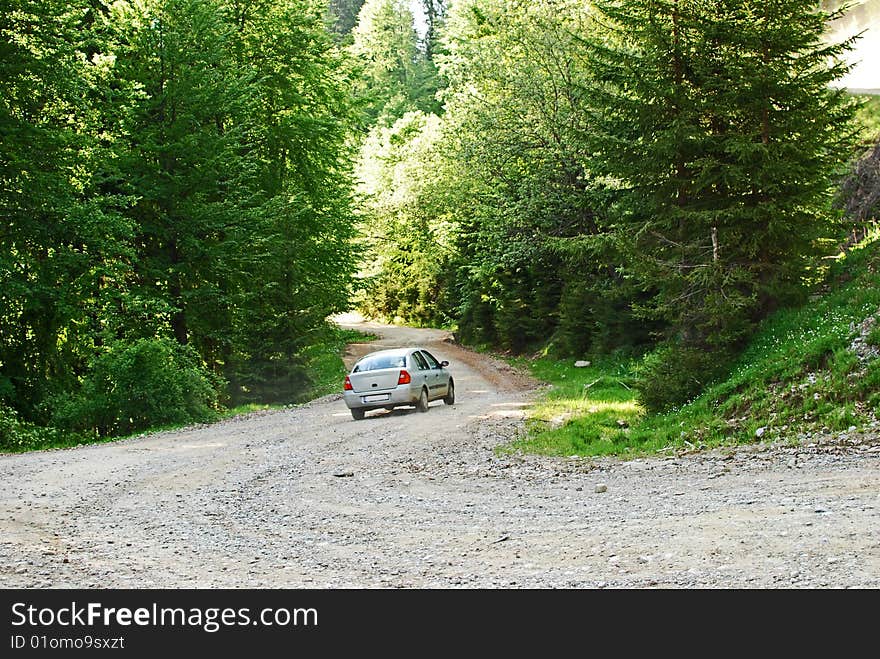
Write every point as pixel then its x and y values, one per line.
pixel 444 364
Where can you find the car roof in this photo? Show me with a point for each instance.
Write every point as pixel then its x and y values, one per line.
pixel 390 351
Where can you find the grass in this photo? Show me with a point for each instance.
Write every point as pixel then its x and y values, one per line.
pixel 588 411
pixel 868 119
pixel 797 376
pixel 248 408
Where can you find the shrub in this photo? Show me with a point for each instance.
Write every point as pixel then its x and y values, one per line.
pixel 673 374
pixel 17 435
pixel 134 386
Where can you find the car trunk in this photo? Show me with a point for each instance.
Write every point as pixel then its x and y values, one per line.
pixel 377 380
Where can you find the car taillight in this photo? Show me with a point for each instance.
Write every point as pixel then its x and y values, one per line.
pixel 404 378
pixel 347 386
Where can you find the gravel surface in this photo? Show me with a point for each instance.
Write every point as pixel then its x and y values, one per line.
pixel 307 497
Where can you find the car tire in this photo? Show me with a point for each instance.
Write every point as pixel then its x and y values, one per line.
pixel 422 404
pixel 357 413
pixel 449 398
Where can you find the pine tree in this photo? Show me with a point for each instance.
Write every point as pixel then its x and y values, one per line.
pixel 722 134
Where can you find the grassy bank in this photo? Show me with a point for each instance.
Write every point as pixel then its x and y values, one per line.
pixel 812 369
pixel 586 412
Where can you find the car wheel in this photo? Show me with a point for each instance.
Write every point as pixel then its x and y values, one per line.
pixel 357 413
pixel 422 405
pixel 449 398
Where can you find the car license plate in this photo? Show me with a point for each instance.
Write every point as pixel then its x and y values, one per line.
pixel 376 398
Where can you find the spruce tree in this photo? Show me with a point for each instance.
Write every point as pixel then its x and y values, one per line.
pixel 721 135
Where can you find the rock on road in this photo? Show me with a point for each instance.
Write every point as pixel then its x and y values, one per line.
pixel 307 497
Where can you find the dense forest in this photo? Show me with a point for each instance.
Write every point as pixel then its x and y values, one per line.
pixel 652 177
pixel 175 185
pixel 189 188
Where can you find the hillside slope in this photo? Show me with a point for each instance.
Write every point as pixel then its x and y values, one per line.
pixel 808 370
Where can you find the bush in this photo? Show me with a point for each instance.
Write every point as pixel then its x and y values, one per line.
pixel 673 374
pixel 135 386
pixel 17 435
pixel 574 333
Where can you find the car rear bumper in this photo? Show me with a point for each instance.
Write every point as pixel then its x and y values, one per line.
pixel 372 400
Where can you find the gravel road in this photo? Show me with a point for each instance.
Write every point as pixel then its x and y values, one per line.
pixel 307 497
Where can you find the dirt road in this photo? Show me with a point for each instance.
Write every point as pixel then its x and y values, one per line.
pixel 307 497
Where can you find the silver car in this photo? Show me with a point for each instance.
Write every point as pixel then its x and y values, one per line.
pixel 393 378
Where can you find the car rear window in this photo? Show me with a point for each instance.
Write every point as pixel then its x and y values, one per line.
pixel 379 362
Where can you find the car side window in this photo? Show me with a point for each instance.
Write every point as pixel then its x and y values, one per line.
pixel 433 362
pixel 422 364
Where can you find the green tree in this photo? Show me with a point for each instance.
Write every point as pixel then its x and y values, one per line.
pixel 299 240
pixel 170 170
pixel 434 15
pixel 185 157
pixel 518 117
pixel 61 236
pixel 344 14
pixel 723 136
pixel 397 76
pixel 408 229
pixel 237 151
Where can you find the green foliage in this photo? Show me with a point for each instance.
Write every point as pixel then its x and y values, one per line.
pixel 398 76
pixel 588 411
pixel 596 316
pixel 135 386
pixel 808 369
pixel 457 210
pixel 518 111
pixel 722 166
pixel 602 184
pixel 17 435
pixel 673 374
pixel 343 15
pixel 799 374
pixel 170 168
pixel 407 232
pixel 61 235
pixel 405 236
